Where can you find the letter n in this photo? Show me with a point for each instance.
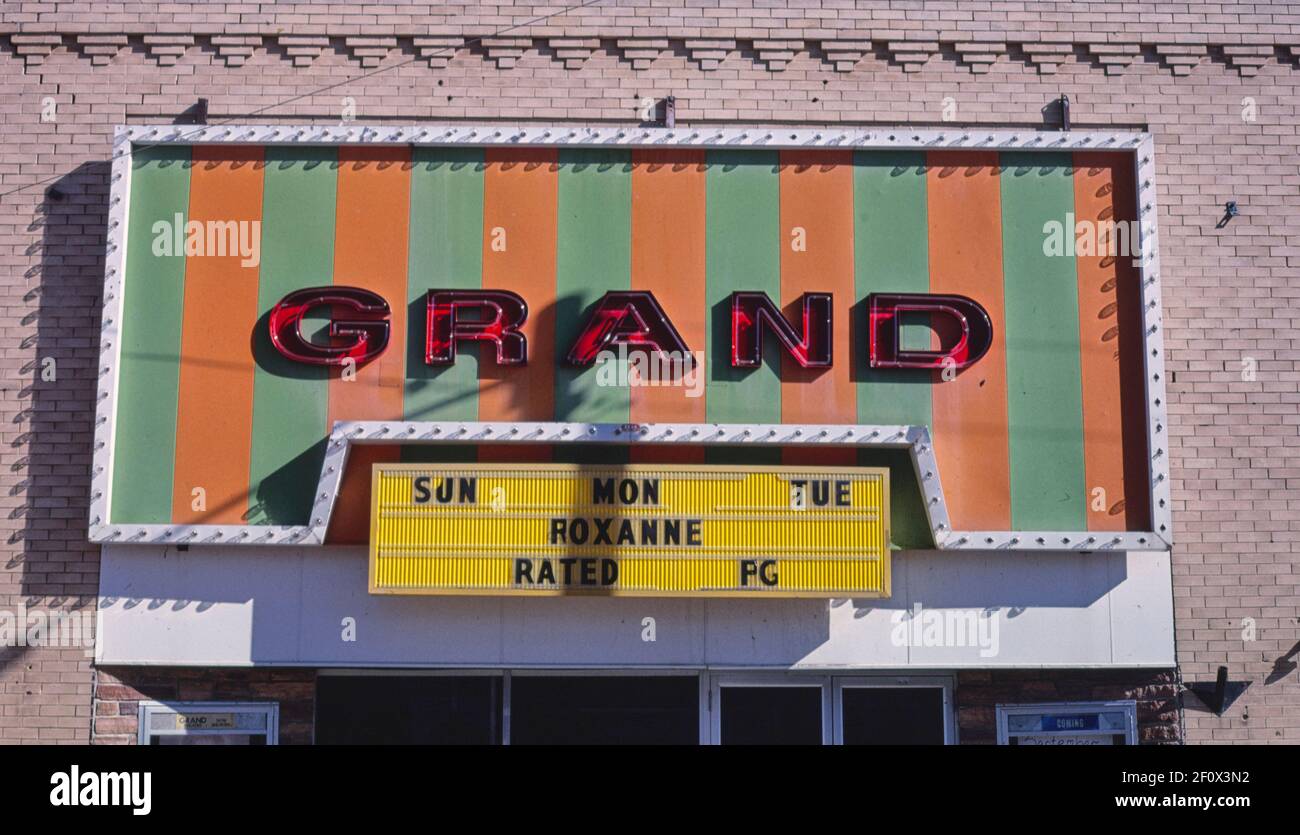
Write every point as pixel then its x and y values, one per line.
pixel 808 341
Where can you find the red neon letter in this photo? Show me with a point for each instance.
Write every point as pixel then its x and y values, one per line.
pixel 367 331
pixel 634 319
pixel 886 323
pixel 499 316
pixel 752 312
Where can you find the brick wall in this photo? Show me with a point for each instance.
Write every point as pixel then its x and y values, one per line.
pixel 1216 83
pixel 980 692
pixel 118 693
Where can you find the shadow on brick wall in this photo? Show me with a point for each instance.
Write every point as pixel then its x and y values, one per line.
pixel 49 456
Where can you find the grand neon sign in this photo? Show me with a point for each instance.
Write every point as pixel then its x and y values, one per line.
pixel 359 328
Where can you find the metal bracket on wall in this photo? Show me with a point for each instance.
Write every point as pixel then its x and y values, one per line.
pixel 1217 696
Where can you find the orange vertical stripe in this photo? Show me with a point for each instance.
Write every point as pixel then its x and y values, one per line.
pixel 970 411
pixel 370 240
pixel 1103 438
pixel 370 250
pixel 817 256
pixel 520 190
pixel 668 234
pixel 214 421
pixel 1110 330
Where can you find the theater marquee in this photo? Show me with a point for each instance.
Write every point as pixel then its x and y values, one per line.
pixel 647 530
pixel 289 307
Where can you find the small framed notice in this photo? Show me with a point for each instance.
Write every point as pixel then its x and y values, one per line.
pixel 208 723
pixel 1068 723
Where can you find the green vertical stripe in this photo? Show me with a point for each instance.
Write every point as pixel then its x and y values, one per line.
pixel 446 253
pixel 891 255
pixel 144 452
pixel 1044 385
pixel 593 255
pixel 290 399
pixel 908 526
pixel 742 246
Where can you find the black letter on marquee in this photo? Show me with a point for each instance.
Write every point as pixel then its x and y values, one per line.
pixel 602 531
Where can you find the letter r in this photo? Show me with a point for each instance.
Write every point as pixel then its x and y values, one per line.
pixel 499 314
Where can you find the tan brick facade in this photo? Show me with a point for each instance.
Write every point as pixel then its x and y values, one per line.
pixel 1217 84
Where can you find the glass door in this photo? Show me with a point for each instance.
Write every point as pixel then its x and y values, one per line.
pixel 770 710
pixel 908 710
pixel 599 709
pixel 798 709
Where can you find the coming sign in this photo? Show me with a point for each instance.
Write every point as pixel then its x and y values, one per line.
pixel 627 530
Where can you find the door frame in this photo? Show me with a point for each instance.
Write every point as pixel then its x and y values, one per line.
pixel 712 706
pixel 832 685
pixel 940 682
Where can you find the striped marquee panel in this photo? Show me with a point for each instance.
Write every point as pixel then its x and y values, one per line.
pixel 1027 439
